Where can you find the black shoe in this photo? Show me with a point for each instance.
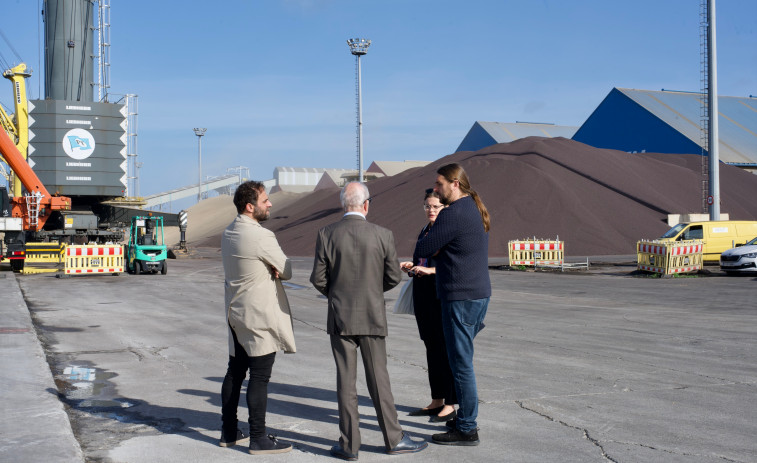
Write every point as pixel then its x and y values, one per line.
pixel 456 437
pixel 448 417
pixel 452 424
pixel 232 438
pixel 339 452
pixel 407 445
pixel 268 444
pixel 426 411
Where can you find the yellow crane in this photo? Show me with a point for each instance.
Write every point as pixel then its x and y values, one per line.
pixel 17 124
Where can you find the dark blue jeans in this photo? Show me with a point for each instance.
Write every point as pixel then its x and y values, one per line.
pixel 462 320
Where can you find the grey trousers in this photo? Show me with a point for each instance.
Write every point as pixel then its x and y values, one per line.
pixel 373 351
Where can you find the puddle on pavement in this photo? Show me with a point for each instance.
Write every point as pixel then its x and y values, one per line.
pixel 89 388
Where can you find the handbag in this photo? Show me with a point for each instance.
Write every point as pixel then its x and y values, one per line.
pixel 404 302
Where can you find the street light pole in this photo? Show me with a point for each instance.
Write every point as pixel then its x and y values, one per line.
pixel 199 132
pixel 713 143
pixel 359 47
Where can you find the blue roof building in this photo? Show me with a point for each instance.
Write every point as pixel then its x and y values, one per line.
pixel 669 122
pixel 484 134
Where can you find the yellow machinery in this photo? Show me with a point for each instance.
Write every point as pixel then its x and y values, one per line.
pixel 17 124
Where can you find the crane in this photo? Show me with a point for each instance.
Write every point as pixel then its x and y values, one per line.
pixel 37 205
pixel 18 129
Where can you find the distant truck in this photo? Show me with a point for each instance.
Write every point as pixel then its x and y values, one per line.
pixel 146 251
pixel 717 236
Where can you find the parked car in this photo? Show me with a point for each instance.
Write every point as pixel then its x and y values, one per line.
pixel 741 258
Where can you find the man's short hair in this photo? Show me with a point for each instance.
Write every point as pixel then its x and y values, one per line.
pixel 354 198
pixel 247 192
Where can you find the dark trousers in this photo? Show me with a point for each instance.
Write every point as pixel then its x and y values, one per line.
pixel 428 315
pixel 373 351
pixel 439 372
pixel 257 389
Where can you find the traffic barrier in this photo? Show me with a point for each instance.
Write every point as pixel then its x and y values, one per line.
pixel 536 252
pixel 43 257
pixel 669 258
pixel 91 259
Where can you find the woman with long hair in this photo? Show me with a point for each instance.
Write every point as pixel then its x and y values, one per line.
pixel 428 316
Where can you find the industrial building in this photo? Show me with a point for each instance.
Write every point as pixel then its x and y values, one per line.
pixel 390 168
pixel 669 122
pixel 483 134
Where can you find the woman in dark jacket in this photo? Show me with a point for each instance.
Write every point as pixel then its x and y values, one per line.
pixel 428 315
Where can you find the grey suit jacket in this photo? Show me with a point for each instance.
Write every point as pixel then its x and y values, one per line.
pixel 355 262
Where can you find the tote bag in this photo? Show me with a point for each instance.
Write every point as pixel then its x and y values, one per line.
pixel 404 303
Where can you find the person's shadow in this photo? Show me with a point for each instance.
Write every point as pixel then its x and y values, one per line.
pixel 189 422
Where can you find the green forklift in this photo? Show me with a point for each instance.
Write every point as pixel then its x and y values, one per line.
pixel 146 251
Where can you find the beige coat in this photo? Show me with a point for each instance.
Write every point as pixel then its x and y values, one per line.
pixel 257 308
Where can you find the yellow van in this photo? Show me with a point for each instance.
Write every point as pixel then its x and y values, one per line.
pixel 717 236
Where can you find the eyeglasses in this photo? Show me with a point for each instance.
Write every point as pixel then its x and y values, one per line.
pixel 368 200
pixel 426 207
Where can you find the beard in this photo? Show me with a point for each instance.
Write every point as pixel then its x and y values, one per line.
pixel 261 215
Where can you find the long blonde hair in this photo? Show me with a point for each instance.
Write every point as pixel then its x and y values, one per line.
pixel 452 172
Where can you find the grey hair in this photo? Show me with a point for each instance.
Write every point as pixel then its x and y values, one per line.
pixel 354 198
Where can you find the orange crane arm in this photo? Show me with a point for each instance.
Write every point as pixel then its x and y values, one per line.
pixel 19 165
pixel 33 185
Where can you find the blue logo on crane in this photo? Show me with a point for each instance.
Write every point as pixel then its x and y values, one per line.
pixel 78 144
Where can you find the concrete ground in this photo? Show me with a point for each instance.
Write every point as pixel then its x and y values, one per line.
pixel 571 367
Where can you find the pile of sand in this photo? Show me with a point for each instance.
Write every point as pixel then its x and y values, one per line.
pixel 207 219
pixel 597 201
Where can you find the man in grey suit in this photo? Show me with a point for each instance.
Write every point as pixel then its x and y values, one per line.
pixel 355 262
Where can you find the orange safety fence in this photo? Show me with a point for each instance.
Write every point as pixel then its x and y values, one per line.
pixel 92 259
pixel 536 252
pixel 669 258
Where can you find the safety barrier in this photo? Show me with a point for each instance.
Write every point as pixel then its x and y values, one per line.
pixel 669 257
pixel 536 252
pixel 93 259
pixel 43 257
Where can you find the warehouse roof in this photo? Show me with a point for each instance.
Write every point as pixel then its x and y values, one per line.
pixel 484 134
pixel 390 168
pixel 681 111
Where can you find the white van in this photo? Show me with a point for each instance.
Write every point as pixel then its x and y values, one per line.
pixel 717 236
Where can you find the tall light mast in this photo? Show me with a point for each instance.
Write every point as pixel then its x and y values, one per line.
pixel 199 132
pixel 359 47
pixel 710 107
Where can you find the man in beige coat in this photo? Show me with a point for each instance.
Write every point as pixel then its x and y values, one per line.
pixel 355 262
pixel 258 316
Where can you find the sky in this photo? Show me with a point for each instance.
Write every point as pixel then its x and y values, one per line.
pixel 273 81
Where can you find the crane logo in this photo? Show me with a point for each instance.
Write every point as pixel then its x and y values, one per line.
pixel 78 144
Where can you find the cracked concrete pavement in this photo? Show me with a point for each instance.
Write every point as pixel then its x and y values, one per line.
pixel 574 367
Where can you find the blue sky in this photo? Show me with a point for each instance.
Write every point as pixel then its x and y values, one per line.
pixel 274 82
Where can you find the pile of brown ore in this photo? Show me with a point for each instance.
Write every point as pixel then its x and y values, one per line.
pixel 598 201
